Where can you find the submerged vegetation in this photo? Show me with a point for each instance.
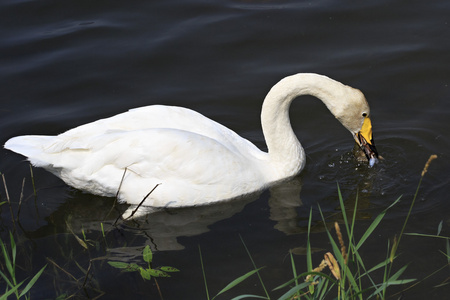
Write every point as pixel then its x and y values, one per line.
pixel 342 273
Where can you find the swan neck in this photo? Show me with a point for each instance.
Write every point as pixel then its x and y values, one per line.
pixel 286 154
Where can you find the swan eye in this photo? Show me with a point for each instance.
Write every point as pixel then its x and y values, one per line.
pixel 364 114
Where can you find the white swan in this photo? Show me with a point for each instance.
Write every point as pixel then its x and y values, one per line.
pixel 195 160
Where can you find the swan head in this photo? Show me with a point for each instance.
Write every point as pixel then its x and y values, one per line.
pixel 355 116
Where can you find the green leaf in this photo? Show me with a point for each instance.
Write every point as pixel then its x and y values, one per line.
pixel 147 254
pixel 118 264
pixel 439 228
pixel 237 281
pixel 145 274
pixel 32 281
pixel 81 242
pixel 157 273
pixel 169 269
pixel 132 268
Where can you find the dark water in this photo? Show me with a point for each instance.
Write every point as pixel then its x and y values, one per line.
pixel 65 63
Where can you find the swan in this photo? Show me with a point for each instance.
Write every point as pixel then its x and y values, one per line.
pixel 192 159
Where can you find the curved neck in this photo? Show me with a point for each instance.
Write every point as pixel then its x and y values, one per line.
pixel 286 154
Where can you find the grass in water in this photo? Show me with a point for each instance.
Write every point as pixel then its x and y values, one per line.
pixel 341 274
pixel 348 276
pixel 9 275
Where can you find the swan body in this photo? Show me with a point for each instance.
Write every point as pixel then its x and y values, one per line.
pixel 194 159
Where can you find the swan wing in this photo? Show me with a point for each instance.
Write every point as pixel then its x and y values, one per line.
pixel 161 116
pixel 191 168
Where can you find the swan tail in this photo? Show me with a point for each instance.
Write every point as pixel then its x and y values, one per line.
pixel 31 146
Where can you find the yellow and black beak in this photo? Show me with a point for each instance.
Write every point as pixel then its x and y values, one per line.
pixel 365 141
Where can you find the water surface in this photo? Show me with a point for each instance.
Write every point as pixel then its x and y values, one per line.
pixel 67 63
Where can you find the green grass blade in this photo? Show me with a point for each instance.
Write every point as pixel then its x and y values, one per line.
pixel 13 249
pixel 309 264
pixel 344 214
pixel 322 289
pixel 428 235
pixel 345 269
pixel 294 290
pixel 10 284
pixel 351 239
pixel 254 266
pixel 248 296
pixel 237 281
pixel 374 225
pixel 378 266
pixel 203 272
pixel 32 281
pixel 7 260
pixel 398 273
pixel 370 230
pixel 294 270
pixel 392 281
pixel 11 291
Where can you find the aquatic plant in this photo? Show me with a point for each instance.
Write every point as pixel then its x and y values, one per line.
pixel 146 273
pixel 349 278
pixel 9 260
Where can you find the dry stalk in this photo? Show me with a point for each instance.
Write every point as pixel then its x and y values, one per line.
pixel 341 242
pixel 322 266
pixel 20 199
pixel 9 202
pixel 57 266
pixel 425 169
pixel 333 265
pixel 394 248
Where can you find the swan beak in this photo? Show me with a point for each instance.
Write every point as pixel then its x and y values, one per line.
pixel 365 141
